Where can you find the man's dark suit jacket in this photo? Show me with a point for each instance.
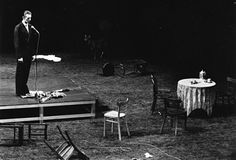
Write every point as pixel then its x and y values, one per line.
pixel 25 43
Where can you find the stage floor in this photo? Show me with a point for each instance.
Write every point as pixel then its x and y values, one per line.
pixel 77 103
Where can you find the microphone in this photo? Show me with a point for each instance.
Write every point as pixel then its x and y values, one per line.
pixel 35 29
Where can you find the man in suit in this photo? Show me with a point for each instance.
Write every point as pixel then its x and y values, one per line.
pixel 25 43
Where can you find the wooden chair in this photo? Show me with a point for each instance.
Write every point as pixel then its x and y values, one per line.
pixel 173 109
pixel 66 148
pixel 158 93
pixel 116 116
pixel 227 94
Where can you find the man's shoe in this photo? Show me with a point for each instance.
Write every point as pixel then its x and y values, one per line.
pixel 23 95
pixel 27 95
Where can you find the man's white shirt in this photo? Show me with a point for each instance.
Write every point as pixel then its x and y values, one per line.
pixel 26 26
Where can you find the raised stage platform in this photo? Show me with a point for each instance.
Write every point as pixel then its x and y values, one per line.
pixel 77 103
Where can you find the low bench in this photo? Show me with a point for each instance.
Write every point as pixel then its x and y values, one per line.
pixel 37 129
pixel 15 126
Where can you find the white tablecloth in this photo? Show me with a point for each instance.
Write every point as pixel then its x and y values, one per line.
pixel 196 96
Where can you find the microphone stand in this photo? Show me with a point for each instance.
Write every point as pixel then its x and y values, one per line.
pixel 36 94
pixel 35 84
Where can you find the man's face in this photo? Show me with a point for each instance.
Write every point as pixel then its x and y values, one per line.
pixel 27 18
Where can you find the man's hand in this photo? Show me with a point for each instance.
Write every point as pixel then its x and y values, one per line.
pixel 20 60
pixel 33 58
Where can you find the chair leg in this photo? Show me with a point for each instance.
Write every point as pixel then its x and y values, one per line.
pixel 234 100
pixel 29 131
pixel 171 122
pixel 45 132
pixel 162 126
pixel 104 127
pixel 127 127
pixel 229 100
pixel 154 103
pixel 119 131
pixel 176 125
pixel 185 122
pixel 112 128
pixel 21 135
pixel 14 134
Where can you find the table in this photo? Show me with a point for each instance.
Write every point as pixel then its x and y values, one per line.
pixel 198 95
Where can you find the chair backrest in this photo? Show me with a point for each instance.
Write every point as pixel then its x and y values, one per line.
pixel 61 133
pixel 66 148
pixel 230 79
pixel 154 82
pixel 172 103
pixel 231 85
pixel 122 105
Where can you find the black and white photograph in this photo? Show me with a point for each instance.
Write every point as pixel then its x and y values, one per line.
pixel 117 80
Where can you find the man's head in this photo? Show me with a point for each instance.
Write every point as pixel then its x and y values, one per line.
pixel 27 16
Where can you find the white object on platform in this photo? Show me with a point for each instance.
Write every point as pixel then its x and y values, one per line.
pixel 48 57
pixel 36 92
pixel 32 94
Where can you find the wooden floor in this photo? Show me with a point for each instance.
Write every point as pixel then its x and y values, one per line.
pixel 77 103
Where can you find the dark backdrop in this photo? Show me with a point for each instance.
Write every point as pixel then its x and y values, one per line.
pixel 184 34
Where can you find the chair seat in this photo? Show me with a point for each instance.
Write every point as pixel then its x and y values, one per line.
pixel 113 114
pixel 172 111
pixel 67 152
pixel 225 97
pixel 176 113
pixel 224 93
pixel 176 110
